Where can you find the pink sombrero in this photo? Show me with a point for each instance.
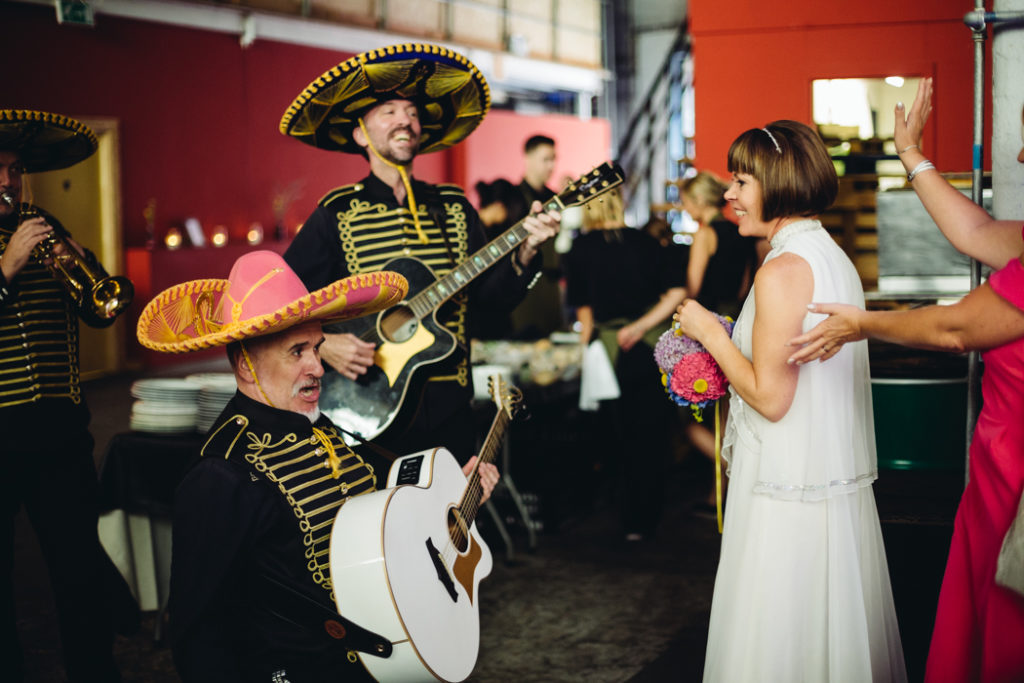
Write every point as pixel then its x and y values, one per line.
pixel 261 296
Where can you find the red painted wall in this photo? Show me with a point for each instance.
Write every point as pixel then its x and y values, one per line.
pixel 754 62
pixel 495 150
pixel 199 119
pixel 198 114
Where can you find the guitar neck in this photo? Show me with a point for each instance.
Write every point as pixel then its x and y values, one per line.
pixel 431 298
pixel 470 503
pixel 598 181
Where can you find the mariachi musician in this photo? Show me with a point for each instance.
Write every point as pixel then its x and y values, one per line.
pixel 252 595
pixel 47 451
pixel 389 105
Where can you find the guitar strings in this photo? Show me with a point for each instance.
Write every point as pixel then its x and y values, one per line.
pixel 459 536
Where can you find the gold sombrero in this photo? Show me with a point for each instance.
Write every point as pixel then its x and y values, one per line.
pixel 450 91
pixel 45 141
pixel 261 296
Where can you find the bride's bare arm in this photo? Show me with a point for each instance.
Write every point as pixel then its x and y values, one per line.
pixel 783 288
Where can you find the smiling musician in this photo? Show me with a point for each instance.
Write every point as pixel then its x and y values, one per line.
pixel 252 598
pixel 389 105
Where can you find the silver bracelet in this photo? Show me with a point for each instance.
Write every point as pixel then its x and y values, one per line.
pixel 923 166
pixel 907 149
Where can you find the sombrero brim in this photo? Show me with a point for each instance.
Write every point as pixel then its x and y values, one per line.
pixel 186 317
pixel 450 91
pixel 45 141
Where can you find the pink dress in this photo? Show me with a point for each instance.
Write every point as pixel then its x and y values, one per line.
pixel 979 628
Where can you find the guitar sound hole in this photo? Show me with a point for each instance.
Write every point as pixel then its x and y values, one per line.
pixel 399 325
pixel 457 530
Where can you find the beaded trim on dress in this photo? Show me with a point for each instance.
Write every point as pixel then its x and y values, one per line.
pixel 789 231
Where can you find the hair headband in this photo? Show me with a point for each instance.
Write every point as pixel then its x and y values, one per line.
pixel 774 141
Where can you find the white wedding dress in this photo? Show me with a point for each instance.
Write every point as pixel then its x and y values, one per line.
pixel 802 592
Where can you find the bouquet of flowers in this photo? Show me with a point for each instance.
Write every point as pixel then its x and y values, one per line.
pixel 689 373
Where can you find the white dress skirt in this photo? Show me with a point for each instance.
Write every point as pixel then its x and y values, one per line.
pixel 802 592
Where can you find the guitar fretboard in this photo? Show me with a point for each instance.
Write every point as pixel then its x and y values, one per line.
pixel 432 297
pixel 470 504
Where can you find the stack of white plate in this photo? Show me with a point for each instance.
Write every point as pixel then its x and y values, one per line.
pixel 216 389
pixel 165 406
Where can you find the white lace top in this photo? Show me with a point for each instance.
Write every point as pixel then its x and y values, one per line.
pixel 825 444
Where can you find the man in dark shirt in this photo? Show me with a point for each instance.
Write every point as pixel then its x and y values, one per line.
pixel 390 105
pixel 252 594
pixel 540 312
pixel 538 165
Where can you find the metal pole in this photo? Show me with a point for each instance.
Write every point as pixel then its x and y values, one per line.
pixel 978 20
pixel 978 33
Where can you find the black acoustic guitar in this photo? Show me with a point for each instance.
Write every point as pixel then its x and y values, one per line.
pixel 408 336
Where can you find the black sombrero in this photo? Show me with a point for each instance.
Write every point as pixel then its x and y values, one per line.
pixel 450 91
pixel 45 141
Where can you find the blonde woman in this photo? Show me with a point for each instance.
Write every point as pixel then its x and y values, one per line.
pixel 722 261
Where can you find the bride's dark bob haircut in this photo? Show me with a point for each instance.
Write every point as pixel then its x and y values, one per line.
pixel 792 164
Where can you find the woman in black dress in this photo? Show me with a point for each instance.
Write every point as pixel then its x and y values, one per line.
pixel 624 286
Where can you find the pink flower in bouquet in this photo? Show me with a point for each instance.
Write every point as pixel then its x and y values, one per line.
pixel 697 378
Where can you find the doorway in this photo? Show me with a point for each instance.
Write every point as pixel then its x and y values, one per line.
pixel 86 199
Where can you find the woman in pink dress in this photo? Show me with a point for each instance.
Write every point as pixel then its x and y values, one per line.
pixel 979 627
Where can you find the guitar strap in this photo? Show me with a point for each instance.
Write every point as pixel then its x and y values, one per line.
pixel 298 608
pixel 437 214
pixel 385 453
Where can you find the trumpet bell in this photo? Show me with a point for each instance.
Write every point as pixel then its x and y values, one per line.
pixel 108 299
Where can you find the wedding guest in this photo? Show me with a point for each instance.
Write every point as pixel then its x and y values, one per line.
pixel 979 627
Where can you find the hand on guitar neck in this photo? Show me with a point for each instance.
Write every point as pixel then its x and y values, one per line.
pixel 488 476
pixel 541 227
pixel 347 353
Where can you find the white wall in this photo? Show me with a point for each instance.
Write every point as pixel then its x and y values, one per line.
pixel 1007 101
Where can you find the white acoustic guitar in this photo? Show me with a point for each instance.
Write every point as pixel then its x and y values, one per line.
pixel 406 561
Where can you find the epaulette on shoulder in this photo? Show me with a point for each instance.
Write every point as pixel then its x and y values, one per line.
pixel 339 192
pixel 224 437
pixel 449 189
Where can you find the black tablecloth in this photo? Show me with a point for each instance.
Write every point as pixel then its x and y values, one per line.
pixel 141 470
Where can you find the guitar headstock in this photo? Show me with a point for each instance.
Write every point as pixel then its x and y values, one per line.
pixel 595 182
pixel 506 397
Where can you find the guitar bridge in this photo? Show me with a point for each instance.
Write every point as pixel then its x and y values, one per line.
pixel 442 571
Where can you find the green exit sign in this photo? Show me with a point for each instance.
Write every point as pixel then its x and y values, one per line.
pixel 74 12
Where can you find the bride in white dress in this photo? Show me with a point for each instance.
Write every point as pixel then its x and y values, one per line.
pixel 802 591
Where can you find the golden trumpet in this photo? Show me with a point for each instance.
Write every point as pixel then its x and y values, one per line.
pixel 98 296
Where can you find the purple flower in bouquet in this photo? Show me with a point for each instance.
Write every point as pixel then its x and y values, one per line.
pixel 671 347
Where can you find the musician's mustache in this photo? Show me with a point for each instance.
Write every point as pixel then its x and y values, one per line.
pixel 404 129
pixel 309 383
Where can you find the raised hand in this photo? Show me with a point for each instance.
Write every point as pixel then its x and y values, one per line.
pixel 910 125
